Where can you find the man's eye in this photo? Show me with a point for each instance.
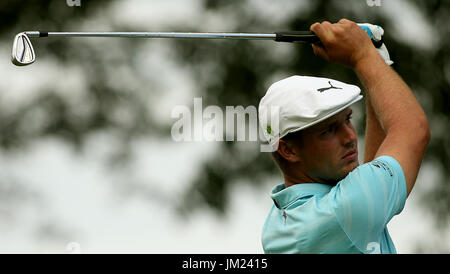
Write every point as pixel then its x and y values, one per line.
pixel 328 131
pixel 349 118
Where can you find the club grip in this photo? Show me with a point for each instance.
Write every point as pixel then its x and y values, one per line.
pixel 296 36
pixel 307 36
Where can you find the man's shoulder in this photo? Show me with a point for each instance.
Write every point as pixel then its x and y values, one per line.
pixel 383 164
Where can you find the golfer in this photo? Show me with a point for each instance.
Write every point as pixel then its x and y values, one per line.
pixel 328 202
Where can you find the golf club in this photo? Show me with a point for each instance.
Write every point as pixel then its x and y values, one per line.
pixel 23 53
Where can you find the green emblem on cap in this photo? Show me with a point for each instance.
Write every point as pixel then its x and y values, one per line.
pixel 269 129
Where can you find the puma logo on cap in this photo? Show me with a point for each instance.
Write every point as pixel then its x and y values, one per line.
pixel 327 88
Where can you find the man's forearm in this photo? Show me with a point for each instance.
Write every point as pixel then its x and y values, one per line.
pixel 374 134
pixel 393 102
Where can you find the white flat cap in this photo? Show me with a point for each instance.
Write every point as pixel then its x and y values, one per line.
pixel 300 102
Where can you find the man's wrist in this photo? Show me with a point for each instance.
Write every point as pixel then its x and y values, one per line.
pixel 369 61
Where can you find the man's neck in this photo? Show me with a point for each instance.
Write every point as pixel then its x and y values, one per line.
pixel 290 180
pixel 301 178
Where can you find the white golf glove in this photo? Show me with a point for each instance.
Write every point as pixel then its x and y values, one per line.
pixel 376 33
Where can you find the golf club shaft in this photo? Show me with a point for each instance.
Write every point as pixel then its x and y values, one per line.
pixel 305 36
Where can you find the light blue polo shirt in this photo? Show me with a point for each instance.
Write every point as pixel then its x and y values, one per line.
pixel 350 217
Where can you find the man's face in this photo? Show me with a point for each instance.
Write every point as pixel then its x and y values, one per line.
pixel 329 149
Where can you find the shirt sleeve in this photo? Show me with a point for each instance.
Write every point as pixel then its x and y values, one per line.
pixel 367 199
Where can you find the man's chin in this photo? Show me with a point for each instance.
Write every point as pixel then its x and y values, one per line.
pixel 352 165
pixel 347 169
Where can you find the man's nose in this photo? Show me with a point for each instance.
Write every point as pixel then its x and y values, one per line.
pixel 348 135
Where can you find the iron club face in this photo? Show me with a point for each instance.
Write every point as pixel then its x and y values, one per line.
pixel 22 51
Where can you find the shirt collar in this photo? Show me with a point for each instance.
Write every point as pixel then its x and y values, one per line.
pixel 283 196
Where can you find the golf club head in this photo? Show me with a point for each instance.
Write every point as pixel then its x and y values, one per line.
pixel 22 51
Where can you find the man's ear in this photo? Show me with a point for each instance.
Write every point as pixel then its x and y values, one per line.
pixel 288 151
